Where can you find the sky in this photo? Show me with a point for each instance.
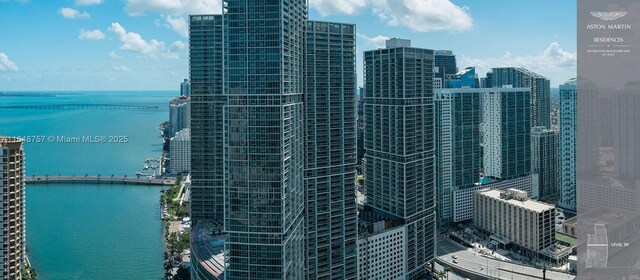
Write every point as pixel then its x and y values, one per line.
pixel 143 44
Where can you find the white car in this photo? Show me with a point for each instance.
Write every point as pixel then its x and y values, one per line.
pixel 454 257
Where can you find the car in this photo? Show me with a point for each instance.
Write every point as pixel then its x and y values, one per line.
pixel 454 257
pixel 455 261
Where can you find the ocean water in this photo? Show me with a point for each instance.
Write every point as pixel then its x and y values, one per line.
pixel 91 231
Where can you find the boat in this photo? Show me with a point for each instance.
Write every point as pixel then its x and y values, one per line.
pixel 146 166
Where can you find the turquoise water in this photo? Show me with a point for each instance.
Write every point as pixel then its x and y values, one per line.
pixel 91 231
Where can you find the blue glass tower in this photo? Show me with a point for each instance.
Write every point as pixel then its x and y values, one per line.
pixel 264 137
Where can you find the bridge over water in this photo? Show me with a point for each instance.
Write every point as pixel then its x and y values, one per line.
pixel 99 180
pixel 86 106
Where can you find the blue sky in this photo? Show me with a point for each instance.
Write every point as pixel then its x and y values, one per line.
pixel 142 44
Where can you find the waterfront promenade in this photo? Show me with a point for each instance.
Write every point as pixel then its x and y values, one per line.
pixel 99 180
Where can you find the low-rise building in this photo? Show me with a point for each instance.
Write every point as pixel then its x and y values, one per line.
pixel 511 219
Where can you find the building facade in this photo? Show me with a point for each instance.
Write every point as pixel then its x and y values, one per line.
pixel 506 133
pixel 13 250
pixel 185 88
pixel 545 161
pixel 264 139
pixel 458 153
pixel 445 60
pixel 330 151
pixel 466 78
pixel 540 91
pixel 207 101
pixel 179 116
pixel 512 216
pixel 180 152
pixel 399 145
pixel 567 121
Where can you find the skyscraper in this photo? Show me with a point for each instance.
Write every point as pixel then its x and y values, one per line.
pixel 180 152
pixel 446 61
pixel 330 145
pixel 178 114
pixel 545 160
pixel 540 91
pixel 13 219
pixel 399 144
pixel 507 133
pixel 207 100
pixel 185 88
pixel 466 78
pixel 264 139
pixel 567 121
pixel 458 153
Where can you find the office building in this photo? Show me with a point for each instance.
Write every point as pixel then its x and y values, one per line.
pixel 180 152
pixel 207 101
pixel 513 219
pixel 539 86
pixel 330 145
pixel 545 160
pixel 178 114
pixel 506 133
pixel 399 145
pixel 466 78
pixel 567 121
pixel 185 88
pixel 458 153
pixel 445 60
pixel 13 250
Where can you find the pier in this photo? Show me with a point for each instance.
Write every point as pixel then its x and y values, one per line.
pixel 112 180
pixel 86 106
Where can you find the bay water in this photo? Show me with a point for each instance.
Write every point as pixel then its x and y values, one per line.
pixel 77 231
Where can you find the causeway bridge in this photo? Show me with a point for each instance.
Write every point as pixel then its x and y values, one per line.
pixel 112 180
pixel 86 106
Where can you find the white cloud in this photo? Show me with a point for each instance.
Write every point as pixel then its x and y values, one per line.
pixel 330 7
pixel 378 41
pixel 423 15
pixel 88 2
pixel 121 68
pixel 6 64
pixel 72 13
pixel 173 7
pixel 132 41
pixel 114 55
pixel 92 35
pixel 179 25
pixel 178 46
pixel 555 63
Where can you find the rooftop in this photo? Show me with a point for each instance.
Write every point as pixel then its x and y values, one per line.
pixel 207 247
pixel 518 198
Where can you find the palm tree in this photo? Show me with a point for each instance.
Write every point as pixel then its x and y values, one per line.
pixel 446 270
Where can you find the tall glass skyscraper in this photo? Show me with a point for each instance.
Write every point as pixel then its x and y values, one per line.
pixel 330 139
pixel 544 161
pixel 507 133
pixel 568 143
pixel 459 155
pixel 540 91
pixel 207 171
pixel 399 144
pixel 264 139
pixel 446 61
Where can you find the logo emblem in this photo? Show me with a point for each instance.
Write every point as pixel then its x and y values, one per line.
pixel 608 16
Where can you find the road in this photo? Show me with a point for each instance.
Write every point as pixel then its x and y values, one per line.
pixel 469 260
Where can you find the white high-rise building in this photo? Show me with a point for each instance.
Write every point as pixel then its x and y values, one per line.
pixel 507 133
pixel 180 152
